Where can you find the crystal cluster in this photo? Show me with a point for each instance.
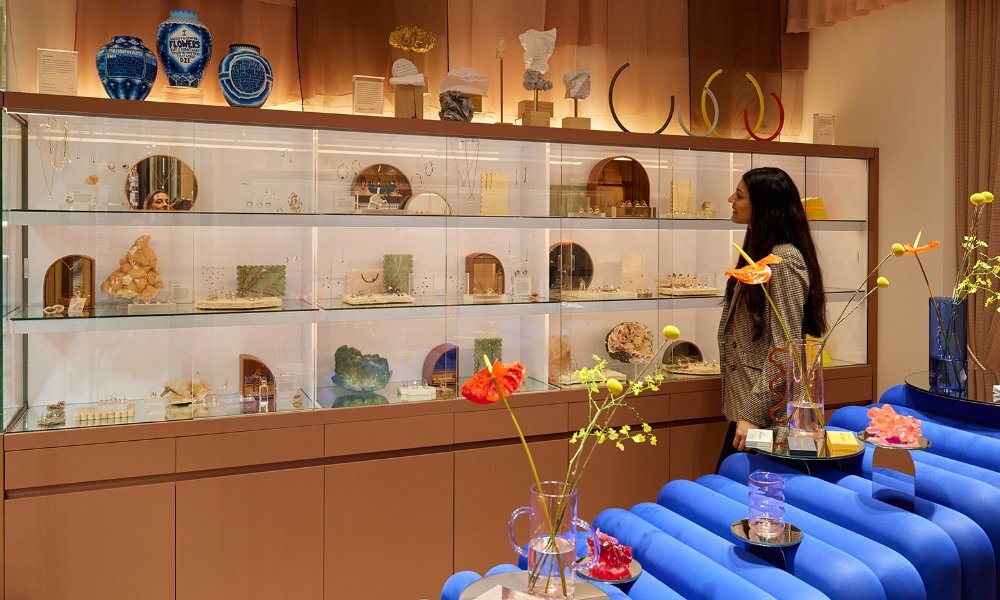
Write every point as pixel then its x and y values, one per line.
pixel 891 428
pixel 137 276
pixel 614 560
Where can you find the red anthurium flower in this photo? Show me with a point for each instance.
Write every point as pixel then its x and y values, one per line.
pixel 481 390
pixel 755 274
pixel 911 249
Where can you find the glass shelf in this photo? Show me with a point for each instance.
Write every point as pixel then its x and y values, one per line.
pixel 337 397
pixel 217 405
pixel 920 382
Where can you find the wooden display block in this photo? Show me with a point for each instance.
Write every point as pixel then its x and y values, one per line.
pixel 538 118
pixel 409 103
pixel 526 106
pixel 576 122
pixel 477 102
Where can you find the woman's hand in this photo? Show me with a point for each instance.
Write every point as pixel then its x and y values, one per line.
pixel 740 439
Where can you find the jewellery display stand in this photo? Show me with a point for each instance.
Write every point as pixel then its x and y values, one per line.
pixel 276 188
pixel 894 476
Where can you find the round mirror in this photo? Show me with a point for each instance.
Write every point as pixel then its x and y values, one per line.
pixel 385 181
pixel 620 182
pixel 161 182
pixel 427 203
pixel 485 274
pixel 569 266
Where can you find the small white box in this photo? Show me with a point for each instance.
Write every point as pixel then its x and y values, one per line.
pixel 761 439
pixel 824 128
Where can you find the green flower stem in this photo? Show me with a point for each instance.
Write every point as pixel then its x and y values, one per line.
pixel 795 357
pixel 538 481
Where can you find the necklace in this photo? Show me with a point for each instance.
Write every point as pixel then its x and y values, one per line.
pixel 162 182
pixel 470 166
pixel 56 162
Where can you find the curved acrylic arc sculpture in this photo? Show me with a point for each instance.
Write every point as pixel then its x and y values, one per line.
pixel 777 130
pixel 712 126
pixel 611 104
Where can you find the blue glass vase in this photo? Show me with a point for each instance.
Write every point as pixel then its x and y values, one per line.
pixel 245 76
pixel 127 68
pixel 185 47
pixel 948 337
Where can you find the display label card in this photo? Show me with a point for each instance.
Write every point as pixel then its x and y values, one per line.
pixel 824 127
pixel 57 72
pixel 369 98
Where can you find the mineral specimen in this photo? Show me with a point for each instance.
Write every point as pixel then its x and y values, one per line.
pixel 577 84
pixel 538 47
pixel 629 342
pixel 534 80
pixel 469 81
pixel 136 277
pixel 359 372
pixel 404 72
pixel 455 106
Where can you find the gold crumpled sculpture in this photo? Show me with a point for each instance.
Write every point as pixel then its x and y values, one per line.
pixel 412 39
pixel 137 276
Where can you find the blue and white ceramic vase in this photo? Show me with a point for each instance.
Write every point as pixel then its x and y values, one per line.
pixel 127 68
pixel 185 47
pixel 245 76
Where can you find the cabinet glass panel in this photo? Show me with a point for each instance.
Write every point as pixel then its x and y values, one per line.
pixel 837 189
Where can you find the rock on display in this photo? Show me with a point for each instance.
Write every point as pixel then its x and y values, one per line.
pixel 455 106
pixel 245 76
pixel 185 47
pixel 127 68
pixel 577 84
pixel 359 372
pixel 137 276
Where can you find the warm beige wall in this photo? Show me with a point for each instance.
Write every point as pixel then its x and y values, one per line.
pixel 889 77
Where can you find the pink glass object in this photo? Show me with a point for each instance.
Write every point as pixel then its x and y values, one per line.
pixel 886 426
pixel 767 505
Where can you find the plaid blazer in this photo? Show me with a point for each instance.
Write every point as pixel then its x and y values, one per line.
pixel 745 368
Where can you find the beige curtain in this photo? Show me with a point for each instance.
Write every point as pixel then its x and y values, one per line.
pixel 977 163
pixel 806 15
pixel 86 25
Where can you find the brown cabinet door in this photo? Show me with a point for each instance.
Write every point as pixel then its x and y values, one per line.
pixel 489 484
pixel 101 545
pixel 616 479
pixel 258 535
pixel 389 528
pixel 694 449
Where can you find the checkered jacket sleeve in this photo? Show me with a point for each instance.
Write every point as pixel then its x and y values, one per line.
pixel 746 370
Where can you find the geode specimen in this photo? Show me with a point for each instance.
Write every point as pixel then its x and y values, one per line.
pixel 534 80
pixel 492 347
pixel 455 106
pixel 137 276
pixel 359 372
pixel 253 281
pixel 630 342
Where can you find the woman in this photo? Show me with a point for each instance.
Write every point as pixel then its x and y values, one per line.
pixel 157 200
pixel 767 202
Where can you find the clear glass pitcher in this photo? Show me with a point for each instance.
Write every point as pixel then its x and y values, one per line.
pixel 802 399
pixel 551 553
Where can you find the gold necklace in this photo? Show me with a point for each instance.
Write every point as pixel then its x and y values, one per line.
pixel 52 154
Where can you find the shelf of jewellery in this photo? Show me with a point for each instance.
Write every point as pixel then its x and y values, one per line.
pixel 324 198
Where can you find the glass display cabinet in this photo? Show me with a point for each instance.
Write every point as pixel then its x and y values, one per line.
pixel 143 251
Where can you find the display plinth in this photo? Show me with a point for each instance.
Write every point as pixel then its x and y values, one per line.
pixel 409 102
pixel 535 118
pixel 183 95
pixel 526 106
pixel 576 122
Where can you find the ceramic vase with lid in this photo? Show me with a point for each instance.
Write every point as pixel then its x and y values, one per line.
pixel 245 76
pixel 185 47
pixel 127 68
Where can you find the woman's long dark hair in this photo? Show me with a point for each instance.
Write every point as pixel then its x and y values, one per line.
pixel 777 217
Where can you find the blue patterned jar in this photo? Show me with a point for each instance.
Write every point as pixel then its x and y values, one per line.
pixel 245 76
pixel 185 47
pixel 127 68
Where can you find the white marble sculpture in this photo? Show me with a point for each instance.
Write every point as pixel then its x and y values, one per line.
pixel 538 47
pixel 404 72
pixel 466 80
pixel 577 83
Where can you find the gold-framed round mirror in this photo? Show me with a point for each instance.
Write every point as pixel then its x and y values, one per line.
pixel 161 182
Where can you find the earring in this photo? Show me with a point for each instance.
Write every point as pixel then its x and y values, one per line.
pixel 355 167
pixel 339 167
pixel 429 168
pixel 417 180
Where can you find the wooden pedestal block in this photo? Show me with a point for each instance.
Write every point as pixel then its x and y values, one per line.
pixel 526 106
pixel 534 118
pixel 477 102
pixel 409 101
pixel 576 122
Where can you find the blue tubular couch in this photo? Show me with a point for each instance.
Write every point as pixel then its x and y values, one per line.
pixel 907 533
pixel 899 578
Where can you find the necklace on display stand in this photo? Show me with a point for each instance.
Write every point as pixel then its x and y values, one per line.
pixel 471 167
pixel 57 160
